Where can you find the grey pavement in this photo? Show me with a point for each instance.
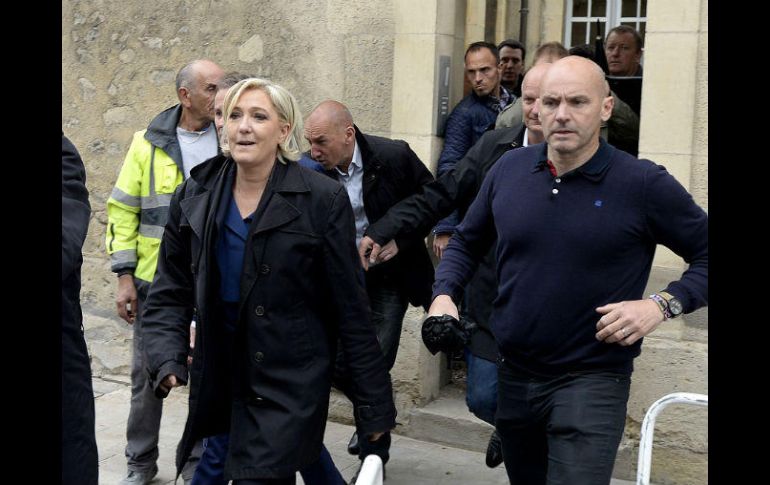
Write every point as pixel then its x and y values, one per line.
pixel 412 461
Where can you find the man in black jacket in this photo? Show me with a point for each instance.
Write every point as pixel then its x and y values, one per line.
pixel 456 189
pixel 377 173
pixel 78 439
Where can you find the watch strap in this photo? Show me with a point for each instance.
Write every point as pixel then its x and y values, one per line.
pixel 662 304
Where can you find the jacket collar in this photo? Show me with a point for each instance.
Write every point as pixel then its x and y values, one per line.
pixel 513 136
pixel 207 173
pixel 213 175
pixel 372 164
pixel 162 133
pixel 594 169
pixel 285 179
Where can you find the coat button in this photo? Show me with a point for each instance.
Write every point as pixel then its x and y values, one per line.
pixel 264 269
pixel 260 310
pixel 259 357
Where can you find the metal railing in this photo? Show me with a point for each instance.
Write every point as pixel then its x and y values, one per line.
pixel 648 428
pixel 371 471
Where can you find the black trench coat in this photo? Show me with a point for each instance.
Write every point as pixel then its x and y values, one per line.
pixel 301 289
pixel 78 439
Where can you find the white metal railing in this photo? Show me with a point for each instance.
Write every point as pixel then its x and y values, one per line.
pixel 371 471
pixel 648 428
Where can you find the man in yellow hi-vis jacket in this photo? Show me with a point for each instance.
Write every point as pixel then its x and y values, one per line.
pixel 158 160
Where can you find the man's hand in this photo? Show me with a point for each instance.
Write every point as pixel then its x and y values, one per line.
pixel 627 321
pixel 440 242
pixel 192 342
pixel 126 299
pixel 443 305
pixel 368 249
pixel 168 383
pixel 372 253
pixel 387 252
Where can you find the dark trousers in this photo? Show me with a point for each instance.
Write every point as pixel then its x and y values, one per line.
pixel 144 414
pixel 388 306
pixel 79 458
pixel 560 430
pixel 143 425
pixel 267 481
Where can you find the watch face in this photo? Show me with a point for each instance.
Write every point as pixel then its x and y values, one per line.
pixel 675 306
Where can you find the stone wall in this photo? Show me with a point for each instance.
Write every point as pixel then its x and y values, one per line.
pixel 119 61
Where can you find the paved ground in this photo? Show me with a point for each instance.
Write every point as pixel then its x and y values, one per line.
pixel 412 462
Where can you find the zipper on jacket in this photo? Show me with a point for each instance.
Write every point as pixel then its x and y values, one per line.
pixel 112 231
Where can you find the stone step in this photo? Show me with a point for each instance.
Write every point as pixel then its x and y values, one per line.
pixel 447 421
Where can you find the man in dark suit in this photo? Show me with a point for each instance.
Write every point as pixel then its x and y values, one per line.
pixel 78 439
pixel 377 173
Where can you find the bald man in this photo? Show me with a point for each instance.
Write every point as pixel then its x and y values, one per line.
pixel 576 223
pixel 158 160
pixel 377 173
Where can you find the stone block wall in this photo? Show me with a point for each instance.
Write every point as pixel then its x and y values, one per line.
pixel 120 59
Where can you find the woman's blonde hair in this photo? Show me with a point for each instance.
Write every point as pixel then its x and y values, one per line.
pixel 285 105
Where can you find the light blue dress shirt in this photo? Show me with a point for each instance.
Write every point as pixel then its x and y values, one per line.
pixel 353 182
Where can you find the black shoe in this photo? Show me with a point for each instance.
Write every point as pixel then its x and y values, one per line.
pixel 355 477
pixel 494 451
pixel 353 447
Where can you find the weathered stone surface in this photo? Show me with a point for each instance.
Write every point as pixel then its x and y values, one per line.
pixel 87 88
pixel 127 55
pixel 251 50
pixel 118 116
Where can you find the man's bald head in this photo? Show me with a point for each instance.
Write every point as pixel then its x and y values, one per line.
pixel 330 132
pixel 530 92
pixel 574 101
pixel 332 111
pixel 582 70
pixel 188 74
pixel 534 75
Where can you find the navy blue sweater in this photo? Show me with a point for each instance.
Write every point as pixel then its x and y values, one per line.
pixel 569 244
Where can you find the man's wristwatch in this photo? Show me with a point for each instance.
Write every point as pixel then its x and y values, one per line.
pixel 668 304
pixel 674 305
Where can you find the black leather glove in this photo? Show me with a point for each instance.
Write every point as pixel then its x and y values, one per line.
pixel 446 334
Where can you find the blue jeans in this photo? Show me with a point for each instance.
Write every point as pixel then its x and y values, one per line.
pixel 211 468
pixel 481 388
pixel 561 430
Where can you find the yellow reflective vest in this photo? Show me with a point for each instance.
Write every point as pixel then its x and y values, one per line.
pixel 138 207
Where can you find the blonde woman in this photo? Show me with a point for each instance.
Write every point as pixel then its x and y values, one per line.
pixel 263 249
